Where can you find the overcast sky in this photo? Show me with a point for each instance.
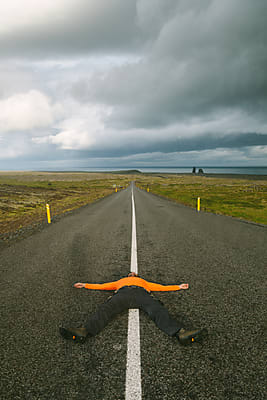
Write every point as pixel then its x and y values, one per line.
pixel 87 83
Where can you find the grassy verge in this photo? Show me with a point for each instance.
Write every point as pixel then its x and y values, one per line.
pixel 23 196
pixel 240 198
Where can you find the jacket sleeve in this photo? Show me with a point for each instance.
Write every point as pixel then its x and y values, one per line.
pixel 101 286
pixel 156 287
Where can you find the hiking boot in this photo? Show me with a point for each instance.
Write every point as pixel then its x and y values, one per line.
pixel 190 336
pixel 75 334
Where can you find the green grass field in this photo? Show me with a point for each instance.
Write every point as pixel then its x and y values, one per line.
pixel 240 198
pixel 24 195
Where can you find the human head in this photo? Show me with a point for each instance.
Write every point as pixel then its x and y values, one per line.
pixel 132 274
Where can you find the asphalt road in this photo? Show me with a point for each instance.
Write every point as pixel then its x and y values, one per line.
pixel 224 261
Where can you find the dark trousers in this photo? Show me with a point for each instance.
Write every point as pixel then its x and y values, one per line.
pixel 132 297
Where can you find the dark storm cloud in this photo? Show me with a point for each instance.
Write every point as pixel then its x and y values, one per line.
pixel 122 78
pixel 205 60
pixel 205 142
pixel 78 29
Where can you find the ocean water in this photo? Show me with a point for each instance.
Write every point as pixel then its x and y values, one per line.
pixel 176 170
pixel 211 170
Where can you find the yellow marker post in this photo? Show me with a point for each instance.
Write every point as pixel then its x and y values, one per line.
pixel 116 190
pixel 147 190
pixel 48 214
pixel 198 204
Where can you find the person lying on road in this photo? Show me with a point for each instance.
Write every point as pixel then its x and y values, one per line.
pixel 132 292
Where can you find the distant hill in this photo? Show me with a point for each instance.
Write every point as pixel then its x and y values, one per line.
pixel 128 172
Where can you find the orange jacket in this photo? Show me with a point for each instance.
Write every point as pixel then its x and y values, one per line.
pixel 132 281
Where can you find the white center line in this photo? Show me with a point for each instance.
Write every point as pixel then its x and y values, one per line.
pixel 133 390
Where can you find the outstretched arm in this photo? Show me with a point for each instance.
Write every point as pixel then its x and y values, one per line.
pixel 96 286
pixel 166 288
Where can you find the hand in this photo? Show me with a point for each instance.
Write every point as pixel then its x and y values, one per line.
pixel 184 286
pixel 79 285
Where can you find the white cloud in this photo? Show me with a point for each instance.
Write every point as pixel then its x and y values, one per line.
pixel 24 14
pixel 28 111
pixel 79 132
pixel 72 140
